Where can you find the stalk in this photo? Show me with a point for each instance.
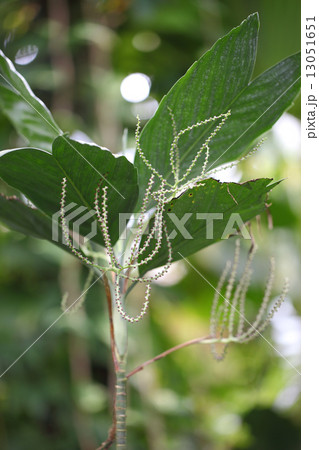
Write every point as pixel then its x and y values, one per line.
pixel 118 334
pixel 200 340
pixel 120 391
pixel 120 405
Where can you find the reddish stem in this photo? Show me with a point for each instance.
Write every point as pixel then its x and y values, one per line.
pixel 110 439
pixel 167 352
pixel 110 311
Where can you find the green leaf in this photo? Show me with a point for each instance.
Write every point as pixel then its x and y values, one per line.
pixel 207 89
pixel 216 83
pixel 38 175
pixel 246 200
pixel 85 164
pixel 28 113
pixel 26 220
pixel 256 109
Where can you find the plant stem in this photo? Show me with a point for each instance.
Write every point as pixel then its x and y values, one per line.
pixel 110 311
pixel 118 430
pixel 167 352
pixel 120 405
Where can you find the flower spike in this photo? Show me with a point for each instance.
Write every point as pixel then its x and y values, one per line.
pixel 135 259
pixel 226 308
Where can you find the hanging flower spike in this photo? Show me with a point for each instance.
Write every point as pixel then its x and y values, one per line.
pixel 65 228
pixel 224 308
pixel 212 172
pixel 241 290
pixel 174 151
pixel 161 273
pixel 132 262
pixel 230 286
pixel 224 328
pixel 119 305
pixel 205 146
pixel 140 222
pixel 140 152
pixel 214 315
pixel 157 229
pixel 103 220
pixel 174 156
pixel 118 295
pixel 254 332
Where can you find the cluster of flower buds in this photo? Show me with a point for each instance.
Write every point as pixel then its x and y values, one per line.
pixel 228 320
pixel 142 251
pixel 181 183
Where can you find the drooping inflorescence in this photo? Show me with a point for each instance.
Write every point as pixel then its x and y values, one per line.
pixel 143 250
pixel 228 319
pixel 126 270
pixel 181 183
pixel 184 182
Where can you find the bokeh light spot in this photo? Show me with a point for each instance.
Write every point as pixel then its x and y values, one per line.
pixel 135 87
pixel 26 55
pixel 146 41
pixel 145 110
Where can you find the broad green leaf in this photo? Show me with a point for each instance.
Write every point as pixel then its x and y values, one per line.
pixel 38 175
pixel 84 165
pixel 207 89
pixel 28 113
pixel 216 83
pixel 26 220
pixel 190 231
pixel 256 109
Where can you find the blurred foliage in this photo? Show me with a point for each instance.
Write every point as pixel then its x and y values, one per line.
pixel 56 396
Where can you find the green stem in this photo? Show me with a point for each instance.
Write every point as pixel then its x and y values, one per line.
pixel 120 405
pixel 118 334
pixel 120 395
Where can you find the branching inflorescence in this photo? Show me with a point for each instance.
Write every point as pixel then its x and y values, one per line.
pixel 142 251
pixel 181 183
pixel 228 319
pixel 125 270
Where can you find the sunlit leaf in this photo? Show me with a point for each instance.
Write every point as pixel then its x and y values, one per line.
pixel 28 113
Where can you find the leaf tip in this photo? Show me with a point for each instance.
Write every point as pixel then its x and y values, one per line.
pixel 254 17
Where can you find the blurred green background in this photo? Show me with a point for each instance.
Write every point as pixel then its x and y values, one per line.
pixel 75 55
